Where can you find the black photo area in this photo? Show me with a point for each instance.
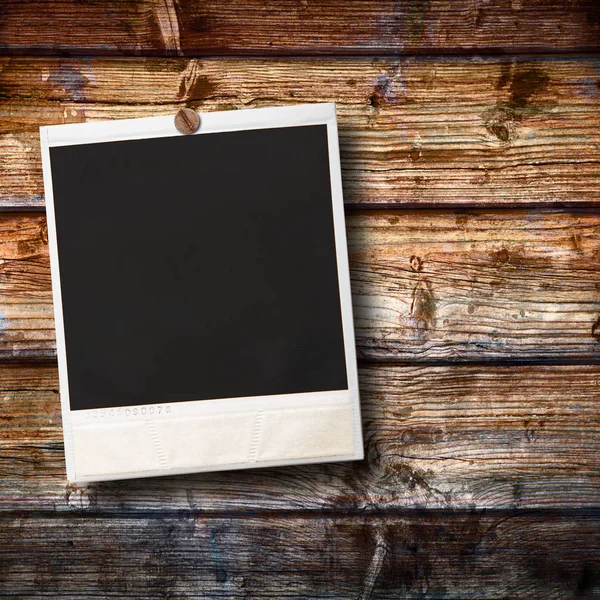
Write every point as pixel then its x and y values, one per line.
pixel 197 267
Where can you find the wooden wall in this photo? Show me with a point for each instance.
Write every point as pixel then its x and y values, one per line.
pixel 470 146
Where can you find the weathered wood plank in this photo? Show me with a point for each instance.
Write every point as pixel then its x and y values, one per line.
pixel 514 554
pixel 427 285
pixel 436 437
pixel 413 132
pixel 26 312
pixel 472 285
pixel 200 27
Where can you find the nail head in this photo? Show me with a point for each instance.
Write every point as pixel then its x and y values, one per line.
pixel 187 120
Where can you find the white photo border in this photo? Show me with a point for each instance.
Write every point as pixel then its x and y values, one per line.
pixel 101 422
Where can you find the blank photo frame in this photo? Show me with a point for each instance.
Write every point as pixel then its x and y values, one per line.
pixel 201 293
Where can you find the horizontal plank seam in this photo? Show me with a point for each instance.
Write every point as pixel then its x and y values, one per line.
pixel 533 361
pixel 495 205
pixel 294 513
pixel 472 52
pixel 541 361
pixel 368 206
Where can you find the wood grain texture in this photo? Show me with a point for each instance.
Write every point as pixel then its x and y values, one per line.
pixel 480 480
pixel 472 285
pixel 427 285
pixel 26 310
pixel 435 437
pixel 371 27
pixel 196 555
pixel 413 132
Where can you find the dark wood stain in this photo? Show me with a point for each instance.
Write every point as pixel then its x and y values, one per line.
pixel 200 89
pixel 505 75
pixel 596 330
pixel 414 20
pixel 524 84
pixel 592 12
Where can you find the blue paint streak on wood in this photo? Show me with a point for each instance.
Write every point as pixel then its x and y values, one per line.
pixel 221 571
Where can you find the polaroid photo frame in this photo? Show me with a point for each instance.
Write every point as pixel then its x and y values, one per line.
pixel 201 293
